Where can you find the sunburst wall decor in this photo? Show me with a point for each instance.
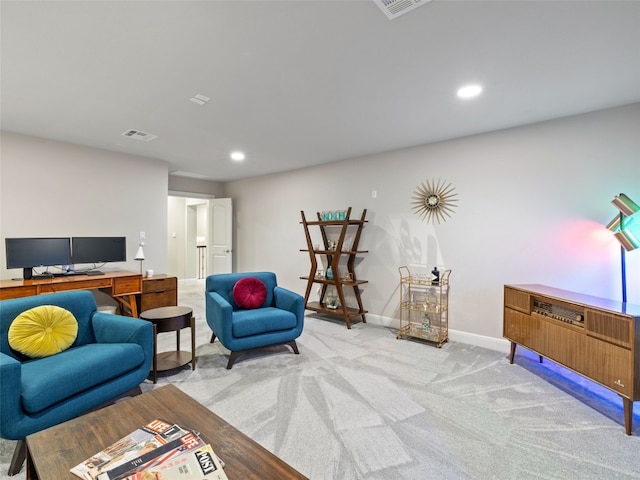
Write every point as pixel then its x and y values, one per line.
pixel 434 200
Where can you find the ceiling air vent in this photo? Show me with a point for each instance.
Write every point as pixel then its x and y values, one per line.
pixel 145 137
pixel 394 8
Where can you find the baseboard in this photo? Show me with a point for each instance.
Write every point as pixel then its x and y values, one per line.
pixel 499 344
pixel 492 343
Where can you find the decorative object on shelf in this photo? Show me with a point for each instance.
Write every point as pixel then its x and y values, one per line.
pixel 426 323
pixel 424 306
pixel 434 200
pixel 329 273
pixel 436 276
pixel 329 215
pixel 626 228
pixel 332 300
pixel 140 255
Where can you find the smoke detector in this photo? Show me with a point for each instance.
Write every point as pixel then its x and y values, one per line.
pixel 394 8
pixel 137 134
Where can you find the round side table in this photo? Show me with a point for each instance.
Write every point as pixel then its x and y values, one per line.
pixel 171 319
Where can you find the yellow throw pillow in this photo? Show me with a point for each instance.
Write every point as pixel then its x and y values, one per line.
pixel 43 331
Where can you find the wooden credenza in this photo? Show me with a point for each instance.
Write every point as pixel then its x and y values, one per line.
pixel 158 291
pixel 122 285
pixel 594 337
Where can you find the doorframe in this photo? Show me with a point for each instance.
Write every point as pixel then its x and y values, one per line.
pixel 184 255
pixel 210 210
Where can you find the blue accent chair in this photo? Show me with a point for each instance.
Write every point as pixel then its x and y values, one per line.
pixel 110 358
pixel 278 321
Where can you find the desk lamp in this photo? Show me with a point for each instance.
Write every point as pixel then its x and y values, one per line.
pixel 140 256
pixel 626 228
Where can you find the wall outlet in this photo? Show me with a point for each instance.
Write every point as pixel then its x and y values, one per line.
pixel 143 236
pixel 374 194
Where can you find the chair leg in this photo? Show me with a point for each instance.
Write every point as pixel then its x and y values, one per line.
pixel 234 355
pixel 232 358
pixel 213 337
pixel 19 455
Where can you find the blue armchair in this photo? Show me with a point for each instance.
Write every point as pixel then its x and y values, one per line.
pixel 110 357
pixel 279 320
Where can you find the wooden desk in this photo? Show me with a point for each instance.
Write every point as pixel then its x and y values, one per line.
pixel 121 285
pixel 52 452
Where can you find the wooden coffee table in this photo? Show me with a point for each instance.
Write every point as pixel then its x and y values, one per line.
pixel 52 452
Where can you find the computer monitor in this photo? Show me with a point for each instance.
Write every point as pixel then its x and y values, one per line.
pixel 98 249
pixel 27 253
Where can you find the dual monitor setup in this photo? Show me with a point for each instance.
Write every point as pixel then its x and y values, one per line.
pixel 27 253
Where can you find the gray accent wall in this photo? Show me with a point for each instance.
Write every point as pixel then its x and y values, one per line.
pixel 533 202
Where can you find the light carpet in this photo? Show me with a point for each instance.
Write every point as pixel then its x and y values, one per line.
pixel 360 404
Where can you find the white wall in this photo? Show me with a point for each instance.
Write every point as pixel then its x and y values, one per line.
pixel 50 188
pixel 533 202
pixel 176 236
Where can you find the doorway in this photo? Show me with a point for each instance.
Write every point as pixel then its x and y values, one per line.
pixel 199 236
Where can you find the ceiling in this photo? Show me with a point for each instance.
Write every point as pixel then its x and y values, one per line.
pixel 301 83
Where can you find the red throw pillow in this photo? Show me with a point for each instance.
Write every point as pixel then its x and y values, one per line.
pixel 249 292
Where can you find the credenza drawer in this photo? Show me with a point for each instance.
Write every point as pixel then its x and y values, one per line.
pixel 160 291
pixel 77 285
pixel 18 292
pixel 517 300
pixel 150 285
pixel 616 329
pixel 127 285
pixel 158 299
pixel 522 329
pixel 609 365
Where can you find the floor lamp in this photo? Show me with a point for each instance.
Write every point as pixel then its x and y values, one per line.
pixel 626 228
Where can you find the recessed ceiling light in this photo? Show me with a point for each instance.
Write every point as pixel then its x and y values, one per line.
pixel 469 91
pixel 237 156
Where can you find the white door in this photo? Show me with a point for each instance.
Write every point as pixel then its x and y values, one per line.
pixel 221 235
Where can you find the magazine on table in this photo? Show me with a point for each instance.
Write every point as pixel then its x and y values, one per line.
pixel 144 439
pixel 200 463
pixel 172 449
